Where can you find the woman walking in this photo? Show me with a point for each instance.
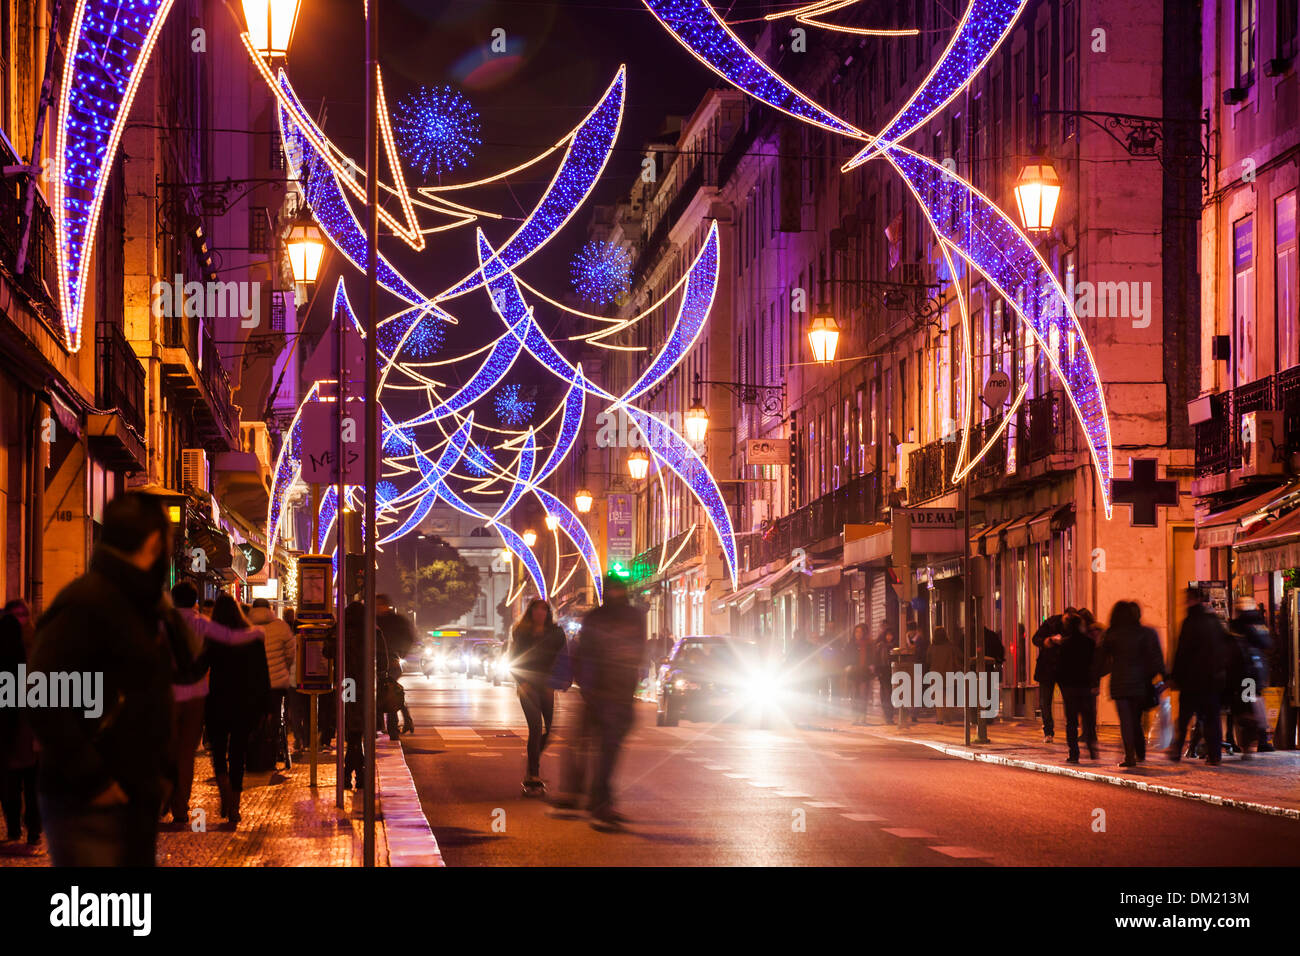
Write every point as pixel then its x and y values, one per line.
pixel 1131 654
pixel 535 643
pixel 239 686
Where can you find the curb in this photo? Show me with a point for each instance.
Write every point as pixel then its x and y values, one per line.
pixel 410 840
pixel 958 750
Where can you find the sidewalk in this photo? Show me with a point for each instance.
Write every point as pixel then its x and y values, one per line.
pixel 286 823
pixel 1268 783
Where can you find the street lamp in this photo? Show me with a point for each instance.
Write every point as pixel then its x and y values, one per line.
pixel 583 500
pixel 530 537
pixel 823 335
pixel 270 25
pixel 638 464
pixel 697 421
pixel 305 249
pixel 1037 190
pixel 552 522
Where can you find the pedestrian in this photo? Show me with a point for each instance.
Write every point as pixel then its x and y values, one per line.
pixel 1048 639
pixel 944 658
pixel 1077 673
pixel 189 697
pixel 18 757
pixel 1247 674
pixel 882 667
pixel 535 644
pixel 607 659
pixel 399 634
pixel 281 666
pixel 353 730
pixel 1199 673
pixel 238 690
pixel 1131 654
pixel 860 672
pixel 105 770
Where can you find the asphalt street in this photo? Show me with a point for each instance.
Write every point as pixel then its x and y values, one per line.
pixel 795 794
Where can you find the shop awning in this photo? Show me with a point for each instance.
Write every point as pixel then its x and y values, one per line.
pixel 876 545
pixel 827 577
pixel 1274 546
pixel 761 588
pixel 989 540
pixel 1017 533
pixel 1220 529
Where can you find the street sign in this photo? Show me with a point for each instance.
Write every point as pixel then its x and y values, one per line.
pixel 315 587
pixel 997 389
pixel 767 451
pixel 320 435
pixel 621 544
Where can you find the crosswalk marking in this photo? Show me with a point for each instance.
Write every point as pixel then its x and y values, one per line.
pixel 458 734
pixel 825 804
pixel 961 852
pixel 863 817
pixel 908 833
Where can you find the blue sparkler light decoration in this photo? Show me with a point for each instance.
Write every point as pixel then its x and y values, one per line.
pixel 602 272
pixel 436 128
pixel 427 337
pixel 385 492
pixel 511 408
pixel 479 461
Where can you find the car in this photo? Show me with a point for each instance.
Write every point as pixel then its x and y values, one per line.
pixel 713 677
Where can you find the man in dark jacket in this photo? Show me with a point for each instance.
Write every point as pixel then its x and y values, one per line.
pixel 607 664
pixel 399 635
pixel 1200 668
pixel 1247 675
pixel 1048 641
pixel 103 779
pixel 1077 674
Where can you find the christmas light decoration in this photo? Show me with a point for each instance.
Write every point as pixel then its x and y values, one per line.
pixel 511 408
pixel 104 58
pixel 813 11
pixel 602 272
pixel 979 233
pixel 437 128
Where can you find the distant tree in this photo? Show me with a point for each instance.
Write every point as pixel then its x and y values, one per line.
pixel 443 587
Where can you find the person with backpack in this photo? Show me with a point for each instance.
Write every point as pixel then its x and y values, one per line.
pixel 190 691
pixel 1247 673
pixel 238 689
pixel 536 643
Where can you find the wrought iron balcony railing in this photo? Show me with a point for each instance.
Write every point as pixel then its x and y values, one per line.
pixel 1218 439
pixel 856 502
pixel 121 383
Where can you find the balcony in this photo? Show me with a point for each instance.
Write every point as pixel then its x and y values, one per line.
pixel 1218 439
pixel 193 371
pixel 680 549
pixel 857 502
pixel 118 435
pixel 40 274
pixel 1045 440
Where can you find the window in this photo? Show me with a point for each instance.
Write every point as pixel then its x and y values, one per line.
pixel 1243 268
pixel 259 230
pixel 1286 317
pixel 1069 39
pixel 1288 25
pixel 1247 21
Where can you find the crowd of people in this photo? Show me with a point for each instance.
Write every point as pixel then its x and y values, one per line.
pixel 178 672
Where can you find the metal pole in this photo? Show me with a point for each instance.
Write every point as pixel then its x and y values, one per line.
pixel 341 579
pixel 372 421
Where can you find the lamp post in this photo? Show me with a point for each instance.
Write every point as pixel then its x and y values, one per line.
pixel 583 499
pixel 697 421
pixel 306 248
pixel 823 335
pixel 638 464
pixel 1037 190
pixel 270 25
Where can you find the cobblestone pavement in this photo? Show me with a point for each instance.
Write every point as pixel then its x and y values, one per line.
pixel 285 823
